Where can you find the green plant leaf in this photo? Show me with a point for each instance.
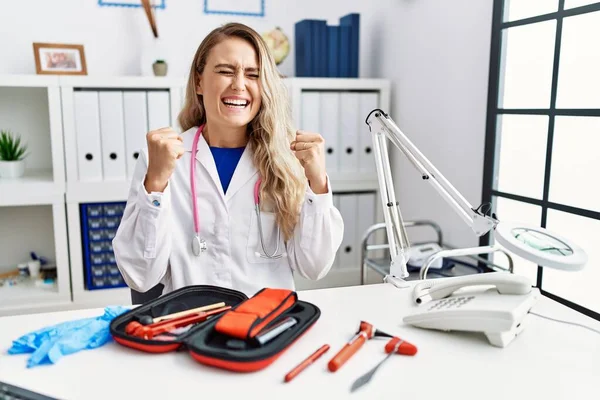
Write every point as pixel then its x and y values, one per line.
pixel 11 148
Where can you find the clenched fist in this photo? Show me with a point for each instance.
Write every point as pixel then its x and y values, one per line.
pixel 309 149
pixel 165 147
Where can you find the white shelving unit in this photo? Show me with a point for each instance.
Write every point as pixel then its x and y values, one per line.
pixel 52 184
pixel 79 191
pixel 331 96
pixel 31 107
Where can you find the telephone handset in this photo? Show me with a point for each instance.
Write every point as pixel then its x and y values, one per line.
pixel 439 288
pixel 498 311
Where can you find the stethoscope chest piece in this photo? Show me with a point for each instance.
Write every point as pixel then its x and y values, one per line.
pixel 198 245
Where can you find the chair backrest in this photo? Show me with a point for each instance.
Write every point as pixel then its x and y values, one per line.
pixel 140 298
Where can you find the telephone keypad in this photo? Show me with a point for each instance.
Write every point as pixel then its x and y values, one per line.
pixel 451 302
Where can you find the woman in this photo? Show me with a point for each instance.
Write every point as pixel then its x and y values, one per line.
pixel 236 114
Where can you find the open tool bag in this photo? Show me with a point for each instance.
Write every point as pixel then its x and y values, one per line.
pixel 240 338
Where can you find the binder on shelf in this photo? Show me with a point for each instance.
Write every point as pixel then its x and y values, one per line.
pixel 336 261
pixel 310 112
pixel 349 109
pixel 344 51
pixel 349 251
pixel 367 214
pixel 320 48
pixel 329 113
pixel 159 110
pixel 304 48
pixel 333 51
pixel 135 115
pixel 112 135
pixel 87 128
pixel 366 160
pixel 353 21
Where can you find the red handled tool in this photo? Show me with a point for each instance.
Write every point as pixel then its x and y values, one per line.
pixel 134 328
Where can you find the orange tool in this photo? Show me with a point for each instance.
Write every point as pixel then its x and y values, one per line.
pixel 134 328
pixel 365 332
pixel 311 359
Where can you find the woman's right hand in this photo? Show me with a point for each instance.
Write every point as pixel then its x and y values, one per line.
pixel 165 147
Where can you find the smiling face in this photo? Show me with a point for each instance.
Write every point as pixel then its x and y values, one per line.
pixel 229 84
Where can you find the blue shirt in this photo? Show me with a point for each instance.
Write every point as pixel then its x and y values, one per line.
pixel 226 160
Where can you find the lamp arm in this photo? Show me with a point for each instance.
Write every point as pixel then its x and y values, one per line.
pixel 382 127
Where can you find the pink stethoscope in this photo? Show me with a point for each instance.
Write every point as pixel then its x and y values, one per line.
pixel 198 243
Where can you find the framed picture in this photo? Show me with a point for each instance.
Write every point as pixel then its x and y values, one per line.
pixel 59 59
pixel 250 8
pixel 130 3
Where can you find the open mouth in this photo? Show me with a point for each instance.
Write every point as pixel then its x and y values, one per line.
pixel 237 104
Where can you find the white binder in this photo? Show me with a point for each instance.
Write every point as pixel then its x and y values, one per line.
pixel 87 129
pixel 310 112
pixel 330 129
pixel 159 110
pixel 136 127
pixel 366 215
pixel 336 262
pixel 368 102
pixel 349 107
pixel 349 253
pixel 112 135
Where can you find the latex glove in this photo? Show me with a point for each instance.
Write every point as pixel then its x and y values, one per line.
pixel 49 344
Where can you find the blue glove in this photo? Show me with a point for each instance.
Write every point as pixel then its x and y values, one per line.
pixel 49 344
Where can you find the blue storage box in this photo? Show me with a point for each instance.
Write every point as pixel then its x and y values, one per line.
pixel 99 224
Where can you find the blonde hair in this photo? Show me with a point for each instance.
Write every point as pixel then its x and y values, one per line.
pixel 270 132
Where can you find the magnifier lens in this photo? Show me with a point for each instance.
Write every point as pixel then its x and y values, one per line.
pixel 542 242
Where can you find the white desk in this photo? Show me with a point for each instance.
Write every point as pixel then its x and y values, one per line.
pixel 548 360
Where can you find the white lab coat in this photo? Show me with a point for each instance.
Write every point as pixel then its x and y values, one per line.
pixel 153 242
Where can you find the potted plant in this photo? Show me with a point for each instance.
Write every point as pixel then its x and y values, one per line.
pixel 12 155
pixel 160 68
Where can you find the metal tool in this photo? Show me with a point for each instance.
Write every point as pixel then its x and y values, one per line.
pixel 395 345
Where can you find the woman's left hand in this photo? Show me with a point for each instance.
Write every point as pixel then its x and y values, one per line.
pixel 309 149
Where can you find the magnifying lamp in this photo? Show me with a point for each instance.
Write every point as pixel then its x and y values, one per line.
pixel 535 244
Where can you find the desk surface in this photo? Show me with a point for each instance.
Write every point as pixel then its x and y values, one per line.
pixel 548 360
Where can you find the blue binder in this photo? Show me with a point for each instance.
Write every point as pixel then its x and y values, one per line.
pixel 303 41
pixel 333 51
pixel 353 21
pixel 344 52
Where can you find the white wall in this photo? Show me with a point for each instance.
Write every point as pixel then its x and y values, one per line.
pixel 435 52
pixel 116 38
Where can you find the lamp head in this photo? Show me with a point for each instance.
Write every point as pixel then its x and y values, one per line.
pixel 540 246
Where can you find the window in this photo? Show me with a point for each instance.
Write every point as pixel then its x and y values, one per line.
pixel 542 156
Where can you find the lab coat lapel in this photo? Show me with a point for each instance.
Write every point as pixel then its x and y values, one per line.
pixel 244 171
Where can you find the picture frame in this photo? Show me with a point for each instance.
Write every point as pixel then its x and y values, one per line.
pixel 246 8
pixel 130 3
pixel 59 59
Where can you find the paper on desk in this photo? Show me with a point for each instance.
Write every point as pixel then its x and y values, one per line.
pixel 50 344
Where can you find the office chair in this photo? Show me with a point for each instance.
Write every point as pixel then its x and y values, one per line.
pixel 140 298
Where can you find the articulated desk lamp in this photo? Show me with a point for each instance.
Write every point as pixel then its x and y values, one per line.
pixel 532 243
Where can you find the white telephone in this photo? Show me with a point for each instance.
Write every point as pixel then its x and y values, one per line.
pixel 498 311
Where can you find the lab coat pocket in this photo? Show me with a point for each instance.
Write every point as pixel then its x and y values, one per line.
pixel 258 252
